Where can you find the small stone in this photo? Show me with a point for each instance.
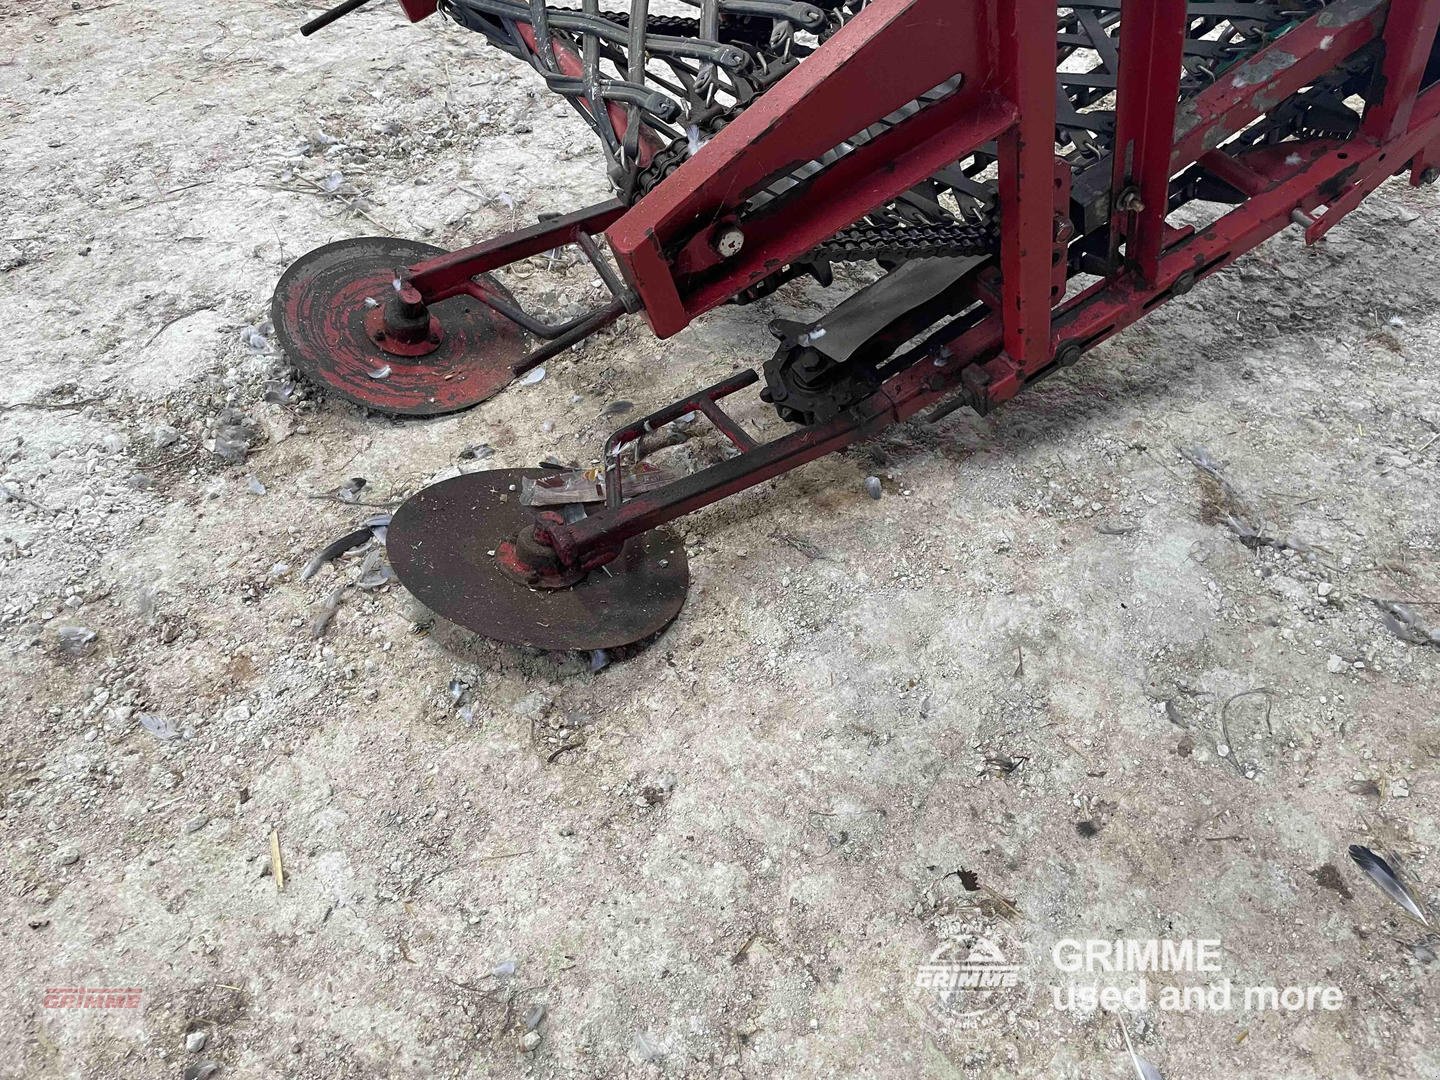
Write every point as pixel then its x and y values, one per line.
pixel 872 487
pixel 195 824
pixel 1324 588
pixel 531 1041
pixel 1399 789
pixel 75 640
pixel 195 1041
pixel 67 856
pixel 1335 665
pixel 532 706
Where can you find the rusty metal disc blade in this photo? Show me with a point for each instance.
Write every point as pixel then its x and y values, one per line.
pixel 320 310
pixel 442 544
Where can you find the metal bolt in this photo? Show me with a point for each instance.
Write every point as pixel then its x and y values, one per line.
pixel 727 241
pixel 410 304
pixel 1183 284
pixel 1129 201
pixel 1299 217
pixel 1068 355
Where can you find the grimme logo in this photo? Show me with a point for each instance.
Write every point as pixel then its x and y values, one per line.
pixel 91 997
pixel 967 976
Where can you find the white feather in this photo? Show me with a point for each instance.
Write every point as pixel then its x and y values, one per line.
pixel 1144 1069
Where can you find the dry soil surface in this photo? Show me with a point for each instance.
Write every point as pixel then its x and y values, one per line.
pixel 1053 655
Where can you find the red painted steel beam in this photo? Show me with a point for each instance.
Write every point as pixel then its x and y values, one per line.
pixel 887 56
pixel 863 180
pixel 1285 66
pixel 449 275
pixel 1026 154
pixel 1409 35
pixel 1323 169
pixel 1234 172
pixel 1321 177
pixel 1152 53
pixel 590 540
pixel 1342 204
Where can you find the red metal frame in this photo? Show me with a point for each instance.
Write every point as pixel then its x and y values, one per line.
pixel 875 65
pixel 451 274
pixel 1257 85
pixel 1028 204
pixel 415 10
pixel 1410 27
pixel 1152 46
pixel 899 51
pixel 994 360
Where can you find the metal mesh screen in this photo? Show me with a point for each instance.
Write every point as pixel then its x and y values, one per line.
pixel 653 77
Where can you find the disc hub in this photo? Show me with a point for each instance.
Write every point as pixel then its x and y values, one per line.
pixel 530 559
pixel 403 325
pixel 343 324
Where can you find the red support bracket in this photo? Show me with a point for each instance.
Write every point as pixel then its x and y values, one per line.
pixel 1410 27
pixel 705 401
pixel 449 275
pixel 1027 179
pixel 1284 67
pixel 1152 52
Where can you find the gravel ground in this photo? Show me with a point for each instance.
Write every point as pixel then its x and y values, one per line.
pixel 1130 692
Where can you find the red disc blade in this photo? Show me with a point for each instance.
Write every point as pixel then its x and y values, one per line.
pixel 320 313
